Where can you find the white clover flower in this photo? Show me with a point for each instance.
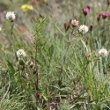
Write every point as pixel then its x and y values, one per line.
pixel 83 29
pixel 74 23
pixel 10 16
pixel 21 54
pixel 103 52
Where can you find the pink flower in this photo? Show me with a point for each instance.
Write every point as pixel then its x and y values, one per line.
pixel 86 10
pixel 74 23
pixel 105 14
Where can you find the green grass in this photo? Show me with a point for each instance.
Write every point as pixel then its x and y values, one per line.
pixel 67 72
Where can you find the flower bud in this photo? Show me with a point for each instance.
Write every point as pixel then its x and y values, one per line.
pixel 86 10
pixel 105 14
pixel 65 24
pixel 98 18
pixel 91 28
pixel 37 95
pixel 108 2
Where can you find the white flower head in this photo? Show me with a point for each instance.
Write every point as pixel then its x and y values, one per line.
pixel 21 54
pixel 10 16
pixel 74 23
pixel 103 52
pixel 83 29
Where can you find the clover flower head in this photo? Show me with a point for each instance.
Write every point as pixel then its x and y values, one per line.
pixel 10 16
pixel 21 54
pixel 83 29
pixel 103 52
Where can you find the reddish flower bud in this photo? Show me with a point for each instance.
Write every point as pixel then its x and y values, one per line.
pixel 108 2
pixel 37 95
pixel 65 24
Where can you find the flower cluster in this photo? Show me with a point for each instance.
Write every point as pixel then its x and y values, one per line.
pixel 83 29
pixel 104 14
pixel 28 67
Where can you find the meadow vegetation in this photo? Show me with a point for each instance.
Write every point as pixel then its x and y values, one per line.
pixel 54 58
